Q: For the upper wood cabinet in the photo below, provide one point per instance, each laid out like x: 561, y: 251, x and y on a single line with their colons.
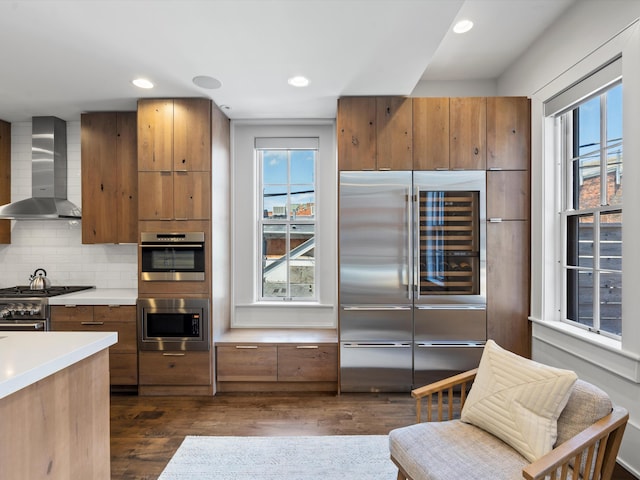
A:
x: 468, y: 133
x: 174, y: 134
x: 508, y: 195
x: 375, y: 133
x: 5, y: 177
x: 431, y: 133
x: 174, y: 159
x: 508, y: 133
x: 109, y: 177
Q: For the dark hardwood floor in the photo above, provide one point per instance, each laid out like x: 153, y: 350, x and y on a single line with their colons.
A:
x: 146, y: 431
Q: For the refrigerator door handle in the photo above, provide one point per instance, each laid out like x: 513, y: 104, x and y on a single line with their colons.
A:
x: 377, y: 309
x: 449, y: 345
x: 377, y: 345
x: 451, y: 307
x: 410, y: 253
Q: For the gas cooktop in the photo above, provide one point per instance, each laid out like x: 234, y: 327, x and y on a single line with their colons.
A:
x: 25, y: 291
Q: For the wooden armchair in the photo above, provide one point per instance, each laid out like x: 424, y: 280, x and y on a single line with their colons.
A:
x: 444, y: 447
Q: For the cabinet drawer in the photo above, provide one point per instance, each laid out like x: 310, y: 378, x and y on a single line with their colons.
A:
x: 308, y: 363
x: 126, y: 331
x: 72, y: 313
x: 112, y: 313
x: 174, y: 368
x: 123, y: 368
x: 247, y: 363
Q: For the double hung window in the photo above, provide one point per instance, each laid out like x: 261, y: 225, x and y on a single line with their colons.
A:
x: 287, y: 223
x: 590, y: 134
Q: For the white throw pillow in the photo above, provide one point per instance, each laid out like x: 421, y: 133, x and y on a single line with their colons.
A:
x: 518, y: 400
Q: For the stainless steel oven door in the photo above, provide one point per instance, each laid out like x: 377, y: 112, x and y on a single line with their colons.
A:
x: 172, y: 257
x: 23, y: 326
x: 173, y: 324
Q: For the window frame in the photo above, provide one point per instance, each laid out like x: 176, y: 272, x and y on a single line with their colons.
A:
x: 245, y: 308
x: 288, y: 222
x: 565, y: 146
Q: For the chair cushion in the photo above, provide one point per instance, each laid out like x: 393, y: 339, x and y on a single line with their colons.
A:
x: 518, y: 400
x: 453, y: 450
x: 587, y: 404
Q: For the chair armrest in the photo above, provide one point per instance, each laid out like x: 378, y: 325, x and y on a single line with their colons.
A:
x: 439, y: 387
x: 598, y: 444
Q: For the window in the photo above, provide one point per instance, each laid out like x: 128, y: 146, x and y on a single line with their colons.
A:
x: 591, y: 210
x: 284, y: 226
x: 287, y: 225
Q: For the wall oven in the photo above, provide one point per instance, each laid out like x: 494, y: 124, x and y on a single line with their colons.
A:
x: 173, y: 324
x: 172, y: 256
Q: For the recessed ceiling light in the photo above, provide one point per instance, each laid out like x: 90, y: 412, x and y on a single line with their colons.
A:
x: 298, y: 81
x: 206, y: 81
x: 142, y: 83
x: 463, y: 26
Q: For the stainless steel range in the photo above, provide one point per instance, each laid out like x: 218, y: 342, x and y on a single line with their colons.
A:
x: 25, y: 309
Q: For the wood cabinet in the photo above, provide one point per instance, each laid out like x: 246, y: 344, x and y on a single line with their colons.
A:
x: 174, y: 134
x: 109, y: 177
x: 5, y: 177
x: 508, y: 195
x: 123, y: 356
x: 169, y: 372
x: 468, y: 133
x: 247, y: 363
x: 431, y: 133
x: 508, y: 285
x: 174, y: 195
x: 508, y: 133
x: 375, y: 133
x: 174, y: 159
x: 314, y: 365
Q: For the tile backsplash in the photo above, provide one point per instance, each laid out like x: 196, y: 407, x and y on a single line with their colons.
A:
x: 56, y: 245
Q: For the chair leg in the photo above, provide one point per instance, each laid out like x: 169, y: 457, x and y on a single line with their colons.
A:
x: 401, y: 476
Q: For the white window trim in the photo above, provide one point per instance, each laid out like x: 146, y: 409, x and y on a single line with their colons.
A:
x: 246, y: 310
x: 546, y: 271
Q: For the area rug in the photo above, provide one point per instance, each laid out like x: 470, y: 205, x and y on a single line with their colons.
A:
x: 356, y: 457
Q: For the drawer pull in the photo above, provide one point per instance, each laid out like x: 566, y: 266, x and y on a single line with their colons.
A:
x: 92, y: 323
x: 246, y: 347
x: 309, y: 347
x: 173, y: 354
x: 70, y: 306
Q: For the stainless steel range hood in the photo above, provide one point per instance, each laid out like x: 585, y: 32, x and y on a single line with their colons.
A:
x: 49, y: 176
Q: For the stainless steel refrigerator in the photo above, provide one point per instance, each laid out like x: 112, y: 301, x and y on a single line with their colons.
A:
x: 412, y: 277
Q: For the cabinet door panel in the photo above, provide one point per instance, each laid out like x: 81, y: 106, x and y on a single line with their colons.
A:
x: 191, y: 193
x: 431, y: 133
x: 99, y: 178
x: 356, y: 123
x: 468, y: 133
x: 155, y: 135
x: 123, y: 368
x: 508, y: 133
x: 155, y: 190
x: 192, y: 134
x: 307, y: 363
x: 247, y: 363
x: 508, y: 195
x: 508, y: 285
x: 174, y: 368
x: 394, y: 133
x: 127, y: 166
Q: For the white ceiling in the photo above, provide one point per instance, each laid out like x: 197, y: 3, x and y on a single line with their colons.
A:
x: 66, y: 57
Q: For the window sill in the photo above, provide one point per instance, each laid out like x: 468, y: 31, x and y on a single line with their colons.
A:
x: 601, y: 351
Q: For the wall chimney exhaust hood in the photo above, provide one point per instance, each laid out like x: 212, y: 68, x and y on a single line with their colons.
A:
x: 48, y: 176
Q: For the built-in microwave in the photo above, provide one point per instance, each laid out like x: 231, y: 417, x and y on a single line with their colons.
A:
x: 172, y: 257
x: 173, y: 324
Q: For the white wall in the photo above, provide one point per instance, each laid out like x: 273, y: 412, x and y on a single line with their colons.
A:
x: 56, y: 245
x: 580, y: 41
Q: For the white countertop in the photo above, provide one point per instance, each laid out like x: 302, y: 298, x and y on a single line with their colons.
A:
x: 98, y: 296
x: 27, y: 357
